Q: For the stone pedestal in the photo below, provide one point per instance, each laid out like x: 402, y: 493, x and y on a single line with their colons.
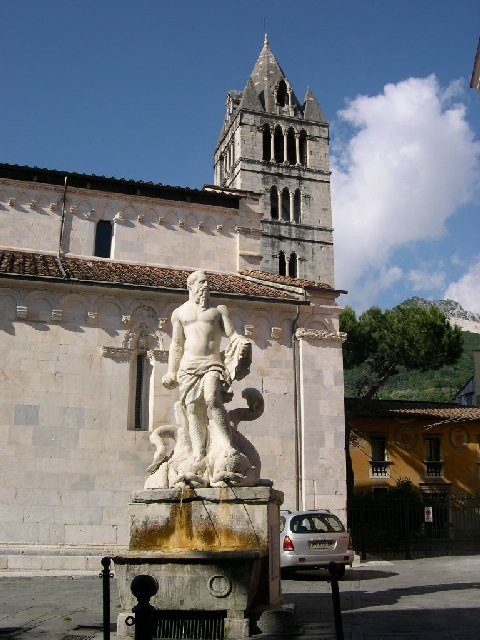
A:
x: 211, y: 549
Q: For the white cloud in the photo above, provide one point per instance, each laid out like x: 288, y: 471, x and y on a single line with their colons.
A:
x: 426, y: 280
x: 410, y: 163
x: 466, y: 290
x: 368, y: 289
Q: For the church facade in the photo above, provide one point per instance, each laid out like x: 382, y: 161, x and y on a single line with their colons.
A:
x: 90, y: 272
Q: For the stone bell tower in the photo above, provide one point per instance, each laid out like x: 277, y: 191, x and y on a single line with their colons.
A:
x: 277, y: 147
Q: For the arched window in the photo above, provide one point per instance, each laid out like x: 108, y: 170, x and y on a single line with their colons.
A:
x: 303, y: 148
x: 282, y: 94
x: 285, y: 204
x: 291, y: 147
x: 267, y: 142
x: 103, y: 239
x: 296, y: 206
x: 282, y: 264
x: 292, y: 265
x: 278, y: 144
x: 274, y: 203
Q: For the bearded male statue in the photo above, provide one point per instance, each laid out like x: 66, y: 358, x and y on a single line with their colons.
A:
x: 207, y: 450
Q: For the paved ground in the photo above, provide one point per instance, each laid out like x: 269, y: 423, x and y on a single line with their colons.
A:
x: 424, y: 599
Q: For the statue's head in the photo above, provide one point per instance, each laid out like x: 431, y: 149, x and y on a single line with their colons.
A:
x: 198, y: 290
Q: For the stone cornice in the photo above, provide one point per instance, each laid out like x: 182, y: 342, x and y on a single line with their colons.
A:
x: 314, y: 335
x: 132, y: 199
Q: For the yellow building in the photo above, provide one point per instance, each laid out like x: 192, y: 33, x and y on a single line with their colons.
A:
x: 435, y: 445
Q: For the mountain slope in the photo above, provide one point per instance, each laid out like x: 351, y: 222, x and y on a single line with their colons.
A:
x: 434, y: 386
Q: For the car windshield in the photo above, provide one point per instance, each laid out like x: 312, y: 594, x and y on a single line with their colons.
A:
x: 316, y: 523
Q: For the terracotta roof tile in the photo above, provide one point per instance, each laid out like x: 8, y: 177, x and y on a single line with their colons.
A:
x: 398, y: 408
x: 39, y: 265
x: 292, y: 282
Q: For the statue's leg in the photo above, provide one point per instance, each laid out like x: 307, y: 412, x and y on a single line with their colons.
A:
x: 213, y: 399
x: 197, y: 428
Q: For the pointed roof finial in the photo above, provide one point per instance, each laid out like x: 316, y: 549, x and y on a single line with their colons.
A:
x: 265, y: 40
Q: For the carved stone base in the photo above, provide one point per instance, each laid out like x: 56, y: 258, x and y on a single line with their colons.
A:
x: 212, y: 549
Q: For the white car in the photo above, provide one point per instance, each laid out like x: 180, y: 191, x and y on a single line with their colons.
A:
x: 312, y: 539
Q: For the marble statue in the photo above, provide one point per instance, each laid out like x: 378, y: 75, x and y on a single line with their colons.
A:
x: 204, y: 447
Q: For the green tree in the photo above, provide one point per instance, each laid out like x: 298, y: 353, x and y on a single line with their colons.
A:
x: 405, y: 337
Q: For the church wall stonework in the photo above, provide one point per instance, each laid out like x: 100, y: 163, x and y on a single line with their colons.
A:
x: 70, y: 458
x: 144, y: 230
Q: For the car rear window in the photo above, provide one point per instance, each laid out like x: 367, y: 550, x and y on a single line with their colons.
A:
x: 282, y: 523
x: 316, y: 523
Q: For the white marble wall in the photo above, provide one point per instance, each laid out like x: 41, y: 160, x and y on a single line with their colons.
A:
x: 69, y: 458
x: 146, y: 230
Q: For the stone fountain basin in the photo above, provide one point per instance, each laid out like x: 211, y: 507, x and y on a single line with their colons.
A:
x: 194, y: 580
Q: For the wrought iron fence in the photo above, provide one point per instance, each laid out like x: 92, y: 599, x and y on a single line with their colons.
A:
x: 398, y: 528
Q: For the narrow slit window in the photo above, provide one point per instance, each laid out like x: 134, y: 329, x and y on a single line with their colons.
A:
x: 292, y: 266
x: 103, y: 239
x: 274, y: 203
x: 303, y: 148
x: 138, y: 409
x: 278, y: 144
x: 296, y: 206
x: 282, y: 264
x: 285, y: 204
x: 291, y: 147
x: 282, y: 94
x: 267, y: 143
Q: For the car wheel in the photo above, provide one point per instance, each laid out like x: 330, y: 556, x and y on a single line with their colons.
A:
x: 286, y: 573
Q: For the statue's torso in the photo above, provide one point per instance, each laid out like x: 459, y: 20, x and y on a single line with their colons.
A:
x: 202, y: 330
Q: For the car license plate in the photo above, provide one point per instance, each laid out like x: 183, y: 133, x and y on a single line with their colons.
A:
x: 321, y: 544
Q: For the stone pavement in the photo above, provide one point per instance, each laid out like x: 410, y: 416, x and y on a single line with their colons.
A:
x: 426, y: 599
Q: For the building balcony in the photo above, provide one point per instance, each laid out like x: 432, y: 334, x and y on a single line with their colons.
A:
x: 380, y: 468
x: 433, y: 468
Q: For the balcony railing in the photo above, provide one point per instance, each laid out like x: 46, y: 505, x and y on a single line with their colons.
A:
x: 379, y: 469
x: 433, y: 469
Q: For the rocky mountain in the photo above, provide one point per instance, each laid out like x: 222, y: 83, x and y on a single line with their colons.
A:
x: 454, y: 311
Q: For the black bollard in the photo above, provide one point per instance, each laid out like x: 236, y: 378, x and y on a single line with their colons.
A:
x: 105, y: 575
x: 337, y: 612
x: 143, y: 588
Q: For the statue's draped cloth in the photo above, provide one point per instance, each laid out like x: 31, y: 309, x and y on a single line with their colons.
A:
x: 191, y: 376
x: 236, y: 360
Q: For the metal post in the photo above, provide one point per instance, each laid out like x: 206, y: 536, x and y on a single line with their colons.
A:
x: 143, y: 588
x: 106, y: 574
x: 337, y: 612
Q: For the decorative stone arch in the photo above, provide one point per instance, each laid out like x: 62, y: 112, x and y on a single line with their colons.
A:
x: 40, y: 305
x: 293, y: 265
x: 170, y: 218
x: 282, y: 94
x: 74, y: 308
x: 209, y: 224
x: 42, y: 203
x: 84, y: 207
x: 109, y: 314
x: 191, y: 222
x: 9, y: 302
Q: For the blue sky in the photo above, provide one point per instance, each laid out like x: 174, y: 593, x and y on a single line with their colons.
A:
x: 137, y: 90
